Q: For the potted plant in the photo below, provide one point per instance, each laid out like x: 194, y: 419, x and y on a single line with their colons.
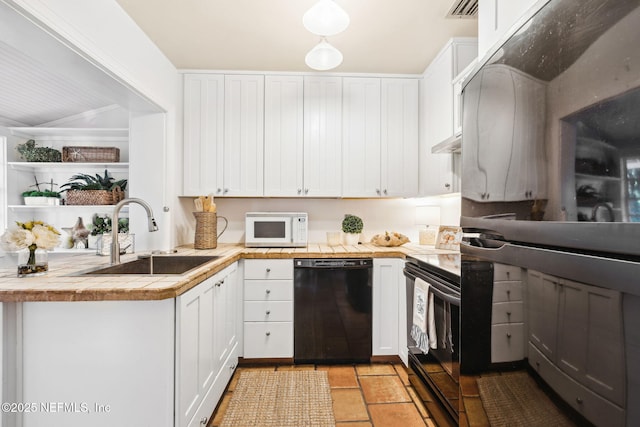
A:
x: 352, y: 227
x: 84, y: 189
x: 101, y: 232
x: 40, y: 197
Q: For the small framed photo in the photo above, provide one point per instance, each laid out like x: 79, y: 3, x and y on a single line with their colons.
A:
x: 449, y: 237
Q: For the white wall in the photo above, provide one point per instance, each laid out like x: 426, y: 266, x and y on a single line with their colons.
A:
x: 378, y: 215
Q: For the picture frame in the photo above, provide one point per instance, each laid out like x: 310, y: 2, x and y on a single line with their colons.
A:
x: 449, y: 237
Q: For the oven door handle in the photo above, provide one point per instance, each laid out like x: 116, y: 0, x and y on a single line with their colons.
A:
x: 450, y: 298
x: 446, y: 297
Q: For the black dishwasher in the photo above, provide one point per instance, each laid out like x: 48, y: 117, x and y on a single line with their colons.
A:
x: 332, y: 310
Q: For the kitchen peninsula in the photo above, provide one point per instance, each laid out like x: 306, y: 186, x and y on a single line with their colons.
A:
x: 118, y: 348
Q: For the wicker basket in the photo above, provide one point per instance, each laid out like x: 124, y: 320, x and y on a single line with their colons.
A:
x: 91, y: 154
x: 206, y: 230
x: 90, y: 197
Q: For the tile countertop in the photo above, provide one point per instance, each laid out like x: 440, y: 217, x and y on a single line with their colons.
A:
x: 61, y: 283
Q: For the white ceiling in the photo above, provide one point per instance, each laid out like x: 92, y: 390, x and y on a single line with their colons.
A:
x: 385, y: 36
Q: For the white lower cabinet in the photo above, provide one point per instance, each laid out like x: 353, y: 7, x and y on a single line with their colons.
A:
x: 268, y: 308
x: 507, y: 315
x: 576, y: 344
x: 388, y: 279
x: 206, y: 346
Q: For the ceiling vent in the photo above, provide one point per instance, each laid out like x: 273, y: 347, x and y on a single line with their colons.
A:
x: 463, y: 9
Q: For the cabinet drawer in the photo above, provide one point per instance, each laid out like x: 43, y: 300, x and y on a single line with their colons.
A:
x: 268, y: 290
x: 268, y: 339
x: 268, y: 311
x: 506, y: 272
x: 507, y: 312
x: 507, y: 342
x: 507, y: 291
x: 593, y: 407
x: 268, y: 269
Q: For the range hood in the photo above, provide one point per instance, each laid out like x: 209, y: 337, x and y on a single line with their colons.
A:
x: 452, y: 144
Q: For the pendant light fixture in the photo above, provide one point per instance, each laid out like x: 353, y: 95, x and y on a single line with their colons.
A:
x: 325, y: 18
x: 323, y: 56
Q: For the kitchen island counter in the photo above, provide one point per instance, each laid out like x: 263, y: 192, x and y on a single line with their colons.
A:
x: 63, y: 283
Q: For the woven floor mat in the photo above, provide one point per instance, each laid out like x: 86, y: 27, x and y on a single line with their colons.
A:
x: 280, y: 399
x: 515, y: 399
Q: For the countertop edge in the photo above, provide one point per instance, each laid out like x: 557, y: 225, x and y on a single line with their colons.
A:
x: 229, y: 254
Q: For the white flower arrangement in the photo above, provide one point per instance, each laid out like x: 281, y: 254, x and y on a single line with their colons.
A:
x: 30, y: 235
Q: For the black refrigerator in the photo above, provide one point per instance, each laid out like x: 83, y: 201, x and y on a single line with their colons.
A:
x: 551, y: 197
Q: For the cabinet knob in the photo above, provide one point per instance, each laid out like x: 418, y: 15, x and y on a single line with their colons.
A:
x: 268, y: 333
x: 508, y: 292
x: 447, y: 185
x: 508, y: 335
x: 508, y: 313
x: 226, y: 190
x: 268, y: 312
x: 218, y: 284
x: 203, y: 421
x: 377, y: 191
x: 233, y: 366
x: 268, y: 291
x: 385, y: 191
x: 306, y: 191
x: 299, y: 190
x: 268, y: 270
x: 579, y: 400
x: 219, y: 190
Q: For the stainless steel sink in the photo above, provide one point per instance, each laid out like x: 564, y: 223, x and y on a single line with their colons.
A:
x: 157, y: 265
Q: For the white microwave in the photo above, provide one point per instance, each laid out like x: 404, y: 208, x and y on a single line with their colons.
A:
x: 276, y: 229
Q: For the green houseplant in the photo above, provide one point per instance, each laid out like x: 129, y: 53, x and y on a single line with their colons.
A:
x: 85, y: 189
x: 40, y: 197
x: 352, y: 226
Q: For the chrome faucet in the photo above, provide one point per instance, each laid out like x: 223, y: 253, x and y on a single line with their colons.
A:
x: 115, y: 245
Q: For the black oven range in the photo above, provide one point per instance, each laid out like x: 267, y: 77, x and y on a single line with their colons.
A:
x: 435, y: 328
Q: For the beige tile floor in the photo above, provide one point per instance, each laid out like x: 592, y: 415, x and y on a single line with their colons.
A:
x: 376, y: 395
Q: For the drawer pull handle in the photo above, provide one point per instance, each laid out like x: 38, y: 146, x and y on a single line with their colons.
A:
x: 268, y: 312
x: 268, y: 333
x: 579, y: 400
x: 268, y: 291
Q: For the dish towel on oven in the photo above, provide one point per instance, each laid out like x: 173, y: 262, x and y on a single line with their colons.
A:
x: 423, y: 330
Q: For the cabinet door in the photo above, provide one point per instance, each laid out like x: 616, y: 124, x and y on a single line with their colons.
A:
x: 322, y: 136
x: 590, y: 342
x: 439, y: 92
x: 526, y: 175
x: 243, y: 136
x: 387, y: 278
x: 203, y: 133
x: 283, y: 136
x: 399, y: 137
x: 195, y: 362
x: 495, y: 18
x: 543, y: 312
x: 361, y: 137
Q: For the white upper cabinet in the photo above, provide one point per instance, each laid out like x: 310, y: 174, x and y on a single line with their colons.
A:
x: 440, y: 113
x: 283, y: 136
x: 399, y: 137
x: 203, y: 133
x: 510, y: 118
x: 495, y: 19
x: 243, y: 155
x: 322, y: 136
x: 361, y: 142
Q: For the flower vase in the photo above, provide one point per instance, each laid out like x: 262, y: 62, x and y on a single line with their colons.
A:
x: 33, y: 262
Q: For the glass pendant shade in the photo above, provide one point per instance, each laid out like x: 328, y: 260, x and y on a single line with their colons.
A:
x: 323, y: 57
x: 325, y: 18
